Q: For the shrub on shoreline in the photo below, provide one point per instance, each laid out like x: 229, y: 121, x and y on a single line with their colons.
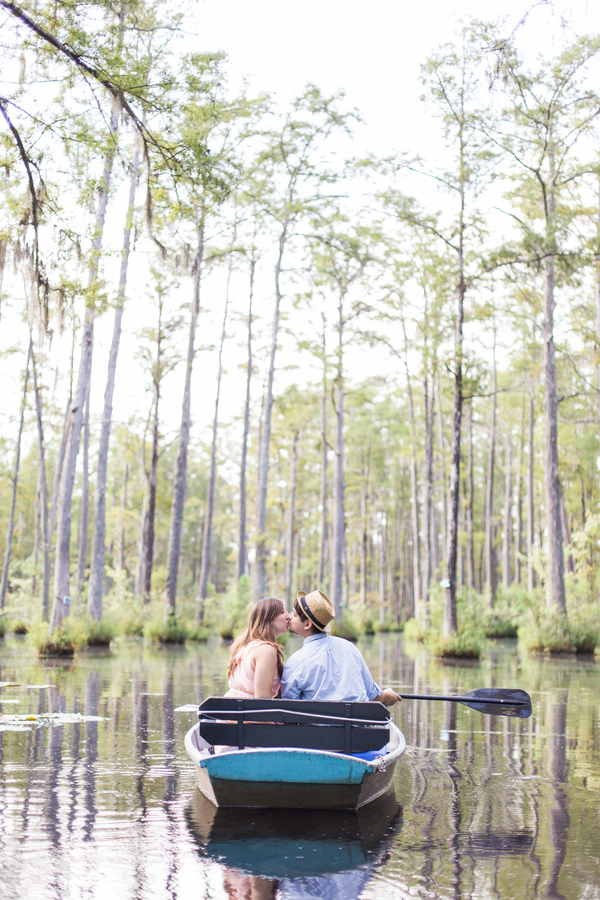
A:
x: 345, y: 628
x: 166, y: 631
x: 552, y: 633
x: 198, y: 633
x: 64, y: 641
x: 100, y: 634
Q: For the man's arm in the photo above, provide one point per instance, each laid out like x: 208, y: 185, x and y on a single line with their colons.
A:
x: 388, y: 697
x: 289, y: 684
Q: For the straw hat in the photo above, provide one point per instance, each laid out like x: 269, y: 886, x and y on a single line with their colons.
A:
x: 318, y: 608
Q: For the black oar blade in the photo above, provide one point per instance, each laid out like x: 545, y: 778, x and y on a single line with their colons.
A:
x: 514, y: 703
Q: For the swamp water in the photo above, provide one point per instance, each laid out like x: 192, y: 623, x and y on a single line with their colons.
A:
x: 484, y: 807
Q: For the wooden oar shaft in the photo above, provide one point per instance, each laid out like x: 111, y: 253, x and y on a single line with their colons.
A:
x: 464, y: 699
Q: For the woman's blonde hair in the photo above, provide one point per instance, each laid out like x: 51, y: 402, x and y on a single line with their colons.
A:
x: 259, y: 628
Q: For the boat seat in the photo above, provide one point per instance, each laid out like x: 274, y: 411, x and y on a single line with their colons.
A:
x: 303, y: 724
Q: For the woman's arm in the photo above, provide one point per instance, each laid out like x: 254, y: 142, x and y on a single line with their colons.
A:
x: 265, y: 663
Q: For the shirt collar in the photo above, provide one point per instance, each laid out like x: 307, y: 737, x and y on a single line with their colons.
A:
x: 314, y: 637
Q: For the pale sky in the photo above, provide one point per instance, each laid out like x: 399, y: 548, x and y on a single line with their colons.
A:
x: 372, y: 52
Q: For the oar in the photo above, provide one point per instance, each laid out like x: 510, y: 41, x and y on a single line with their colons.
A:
x: 492, y: 701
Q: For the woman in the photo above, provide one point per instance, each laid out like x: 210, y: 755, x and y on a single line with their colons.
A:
x: 256, y: 659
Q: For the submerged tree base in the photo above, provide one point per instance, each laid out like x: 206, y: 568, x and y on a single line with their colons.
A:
x: 100, y: 634
x: 63, y: 642
x: 553, y: 634
x: 460, y: 645
x: 170, y: 631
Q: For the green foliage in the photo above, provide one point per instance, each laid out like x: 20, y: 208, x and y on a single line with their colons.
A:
x: 198, y: 633
x: 19, y: 626
x: 549, y: 633
x: 542, y: 630
x: 416, y: 630
x: 229, y: 613
x: 133, y: 624
x: 64, y: 641
x: 100, y: 634
x: 166, y: 631
x: 466, y: 644
x: 346, y: 628
x: 3, y: 624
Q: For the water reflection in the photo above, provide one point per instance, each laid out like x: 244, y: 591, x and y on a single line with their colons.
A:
x: 491, y: 807
x: 301, y: 853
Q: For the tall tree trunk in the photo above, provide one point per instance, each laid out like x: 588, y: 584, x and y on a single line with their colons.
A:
x: 414, y: 489
x: 15, y: 482
x: 291, y: 521
x: 382, y: 579
x: 555, y: 580
x: 337, y: 548
x: 139, y: 569
x: 364, y: 495
x: 469, y: 510
x: 531, y: 574
x: 121, y: 556
x: 43, y: 491
x: 62, y: 601
x: 152, y: 477
x: 85, y: 500
x: 507, y: 539
x: 95, y: 587
x: 180, y: 478
x: 3, y: 248
x: 323, y: 499
x: 243, y: 552
x: 263, y: 469
x: 490, y: 561
x: 206, y: 541
x: 429, y: 407
x: 450, y: 614
x: 565, y: 532
x: 442, y: 451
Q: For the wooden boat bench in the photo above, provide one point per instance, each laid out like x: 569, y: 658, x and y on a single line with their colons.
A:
x: 303, y: 724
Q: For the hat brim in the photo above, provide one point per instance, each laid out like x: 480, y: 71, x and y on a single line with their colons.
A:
x: 327, y: 628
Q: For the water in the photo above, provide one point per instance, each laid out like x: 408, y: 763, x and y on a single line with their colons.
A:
x: 484, y: 807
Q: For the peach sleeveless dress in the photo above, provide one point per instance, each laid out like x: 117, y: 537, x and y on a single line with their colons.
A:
x: 241, y: 683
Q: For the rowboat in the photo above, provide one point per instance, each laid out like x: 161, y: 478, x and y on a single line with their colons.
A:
x: 293, y: 754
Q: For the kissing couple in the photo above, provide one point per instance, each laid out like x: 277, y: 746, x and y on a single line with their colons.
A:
x: 325, y: 667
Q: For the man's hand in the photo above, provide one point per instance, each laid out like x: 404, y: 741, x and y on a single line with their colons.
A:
x: 388, y: 697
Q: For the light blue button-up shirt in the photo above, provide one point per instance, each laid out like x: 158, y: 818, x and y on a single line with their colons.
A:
x: 327, y: 668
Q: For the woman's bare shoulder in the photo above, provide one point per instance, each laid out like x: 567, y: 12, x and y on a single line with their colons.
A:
x: 265, y: 650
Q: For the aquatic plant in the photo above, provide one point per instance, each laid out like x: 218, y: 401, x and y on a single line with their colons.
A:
x: 467, y: 644
x: 133, y: 624
x: 3, y: 625
x: 64, y: 641
x: 101, y: 633
x: 543, y: 631
x: 171, y: 630
x: 345, y: 628
x: 198, y: 633
x: 19, y: 626
x: 416, y: 630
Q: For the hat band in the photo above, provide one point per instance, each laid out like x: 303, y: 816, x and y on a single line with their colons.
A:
x: 306, y: 608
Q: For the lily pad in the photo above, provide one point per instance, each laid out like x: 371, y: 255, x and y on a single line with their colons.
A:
x: 10, y: 684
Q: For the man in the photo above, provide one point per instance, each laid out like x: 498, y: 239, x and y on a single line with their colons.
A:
x: 326, y: 667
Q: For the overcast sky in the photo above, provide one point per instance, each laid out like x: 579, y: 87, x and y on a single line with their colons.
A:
x: 372, y: 51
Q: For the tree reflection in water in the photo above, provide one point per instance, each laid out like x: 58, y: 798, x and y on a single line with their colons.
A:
x: 493, y: 807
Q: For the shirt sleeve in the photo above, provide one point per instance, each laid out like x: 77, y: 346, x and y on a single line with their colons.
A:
x: 289, y: 684
x: 372, y: 688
